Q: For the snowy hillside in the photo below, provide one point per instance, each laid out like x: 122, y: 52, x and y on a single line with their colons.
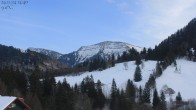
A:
x: 103, y: 49
x: 182, y: 80
x: 119, y: 73
x: 49, y: 53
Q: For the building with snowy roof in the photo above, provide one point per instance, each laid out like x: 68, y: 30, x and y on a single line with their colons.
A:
x: 13, y: 103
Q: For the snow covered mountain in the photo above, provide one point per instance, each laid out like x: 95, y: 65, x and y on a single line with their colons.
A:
x: 50, y: 53
x: 103, y: 49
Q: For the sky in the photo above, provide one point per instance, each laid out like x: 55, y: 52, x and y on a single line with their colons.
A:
x: 66, y: 25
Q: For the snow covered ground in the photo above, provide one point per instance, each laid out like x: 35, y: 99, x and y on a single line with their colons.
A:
x: 119, y: 73
x: 182, y: 81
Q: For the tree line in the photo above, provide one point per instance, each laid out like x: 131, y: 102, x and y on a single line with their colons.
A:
x: 47, y: 94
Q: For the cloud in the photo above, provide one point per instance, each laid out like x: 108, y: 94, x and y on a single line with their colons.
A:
x: 164, y: 17
x: 155, y: 19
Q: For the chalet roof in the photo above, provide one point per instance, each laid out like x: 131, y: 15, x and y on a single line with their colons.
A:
x: 5, y: 101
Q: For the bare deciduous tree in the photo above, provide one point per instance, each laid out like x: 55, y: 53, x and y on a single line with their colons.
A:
x: 125, y: 64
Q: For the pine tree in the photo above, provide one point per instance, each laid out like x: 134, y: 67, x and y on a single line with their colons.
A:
x: 140, y: 95
x: 83, y: 87
x: 143, y: 53
x: 53, y: 83
x: 138, y: 60
x: 137, y: 75
x: 124, y: 56
x: 151, y: 82
x: 117, y: 100
x: 158, y: 72
x: 76, y: 89
x: 49, y: 86
x: 123, y: 101
x: 146, y: 95
x: 163, y: 104
x: 21, y: 82
x: 114, y: 96
x: 3, y: 90
x: 91, y: 91
x: 100, y: 98
x: 113, y: 60
x: 82, y: 102
x: 88, y: 86
x: 91, y: 66
x: 64, y: 96
x: 35, y: 84
x: 113, y: 88
x: 156, y: 99
x: 33, y: 101
x: 130, y: 91
x: 178, y: 98
x: 103, y: 64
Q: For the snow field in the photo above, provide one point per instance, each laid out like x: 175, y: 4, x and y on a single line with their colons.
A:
x: 119, y: 73
x: 182, y: 80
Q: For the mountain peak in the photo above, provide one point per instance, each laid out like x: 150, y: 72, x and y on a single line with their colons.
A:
x: 112, y: 44
x: 103, y: 49
x: 50, y: 53
x: 108, y: 42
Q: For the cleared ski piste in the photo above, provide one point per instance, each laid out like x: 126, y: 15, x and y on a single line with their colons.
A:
x: 183, y: 80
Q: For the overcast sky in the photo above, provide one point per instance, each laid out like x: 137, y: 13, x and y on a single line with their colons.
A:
x: 65, y: 25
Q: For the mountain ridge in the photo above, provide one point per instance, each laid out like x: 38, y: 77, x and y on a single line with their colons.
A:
x: 26, y: 61
x: 103, y: 49
x: 50, y: 53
